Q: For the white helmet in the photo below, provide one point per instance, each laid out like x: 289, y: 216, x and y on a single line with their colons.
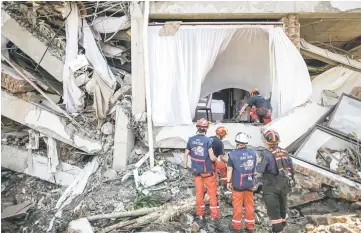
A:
x: 241, y: 138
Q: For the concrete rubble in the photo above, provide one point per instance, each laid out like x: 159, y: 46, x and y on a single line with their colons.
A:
x: 88, y: 170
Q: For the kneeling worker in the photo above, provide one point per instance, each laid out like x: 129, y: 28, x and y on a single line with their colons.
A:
x: 199, y: 147
x: 276, y: 168
x: 240, y: 179
x: 263, y: 106
x: 218, y: 149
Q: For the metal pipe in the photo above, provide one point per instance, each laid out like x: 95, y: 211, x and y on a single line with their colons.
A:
x: 147, y: 84
x: 220, y: 23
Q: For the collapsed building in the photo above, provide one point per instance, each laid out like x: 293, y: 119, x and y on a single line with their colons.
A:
x: 99, y: 98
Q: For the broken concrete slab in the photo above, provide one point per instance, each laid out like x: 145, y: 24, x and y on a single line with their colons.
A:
x: 81, y: 225
x: 16, y: 211
x: 32, y: 46
x: 45, y: 122
x: 18, y: 160
x: 152, y: 177
x: 299, y: 119
x: 177, y: 136
x: 301, y: 199
x: 123, y: 140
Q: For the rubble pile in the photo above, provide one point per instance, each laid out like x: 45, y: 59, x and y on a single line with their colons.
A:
x: 345, y: 162
x: 334, y: 224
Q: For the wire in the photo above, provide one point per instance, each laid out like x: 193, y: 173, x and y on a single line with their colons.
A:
x: 104, y: 19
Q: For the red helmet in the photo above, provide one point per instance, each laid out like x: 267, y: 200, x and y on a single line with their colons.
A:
x: 221, y: 131
x: 202, y: 123
x: 271, y: 136
x: 253, y: 91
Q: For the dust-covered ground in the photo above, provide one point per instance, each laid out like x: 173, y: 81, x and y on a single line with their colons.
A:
x: 103, y: 195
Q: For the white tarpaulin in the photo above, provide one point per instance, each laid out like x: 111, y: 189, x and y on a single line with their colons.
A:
x: 200, y: 60
x: 330, y: 85
x: 73, y: 96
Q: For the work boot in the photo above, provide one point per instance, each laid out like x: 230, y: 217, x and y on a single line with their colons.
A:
x: 200, y: 220
x: 214, y: 223
x: 233, y: 230
x: 247, y: 231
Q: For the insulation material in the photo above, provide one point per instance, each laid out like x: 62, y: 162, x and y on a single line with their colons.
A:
x: 111, y: 24
x: 72, y: 95
x: 94, y: 55
x: 200, y: 60
x: 330, y: 85
x: 347, y: 116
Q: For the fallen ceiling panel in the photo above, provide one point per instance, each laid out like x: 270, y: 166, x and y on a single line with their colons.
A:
x: 324, y: 55
x: 347, y: 116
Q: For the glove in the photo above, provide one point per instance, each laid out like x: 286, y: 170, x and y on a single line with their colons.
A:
x: 292, y: 182
x: 229, y: 186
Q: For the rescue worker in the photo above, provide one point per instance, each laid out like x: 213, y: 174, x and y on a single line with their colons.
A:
x: 240, y: 179
x: 218, y: 150
x: 263, y: 105
x: 199, y: 147
x: 275, y: 166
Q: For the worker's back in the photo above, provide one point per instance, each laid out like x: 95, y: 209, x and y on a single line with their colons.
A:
x: 259, y: 101
x: 244, y: 162
x: 198, y: 146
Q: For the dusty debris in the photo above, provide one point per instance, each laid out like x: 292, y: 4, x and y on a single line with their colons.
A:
x: 80, y: 226
x: 152, y: 177
x: 16, y: 211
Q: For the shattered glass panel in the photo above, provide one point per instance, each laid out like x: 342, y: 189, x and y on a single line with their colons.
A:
x: 332, y: 153
x: 347, y: 116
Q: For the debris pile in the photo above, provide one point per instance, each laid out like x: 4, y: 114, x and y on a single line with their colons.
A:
x: 334, y: 224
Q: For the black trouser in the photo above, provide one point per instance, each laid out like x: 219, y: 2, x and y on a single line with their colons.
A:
x: 275, y: 197
x: 261, y: 113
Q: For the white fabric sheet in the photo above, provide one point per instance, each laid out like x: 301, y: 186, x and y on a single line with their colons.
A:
x: 200, y: 60
x: 73, y: 96
x: 291, y: 85
x: 330, y: 85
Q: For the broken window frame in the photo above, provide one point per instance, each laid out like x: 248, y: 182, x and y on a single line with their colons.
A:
x: 335, y: 111
x: 332, y: 132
